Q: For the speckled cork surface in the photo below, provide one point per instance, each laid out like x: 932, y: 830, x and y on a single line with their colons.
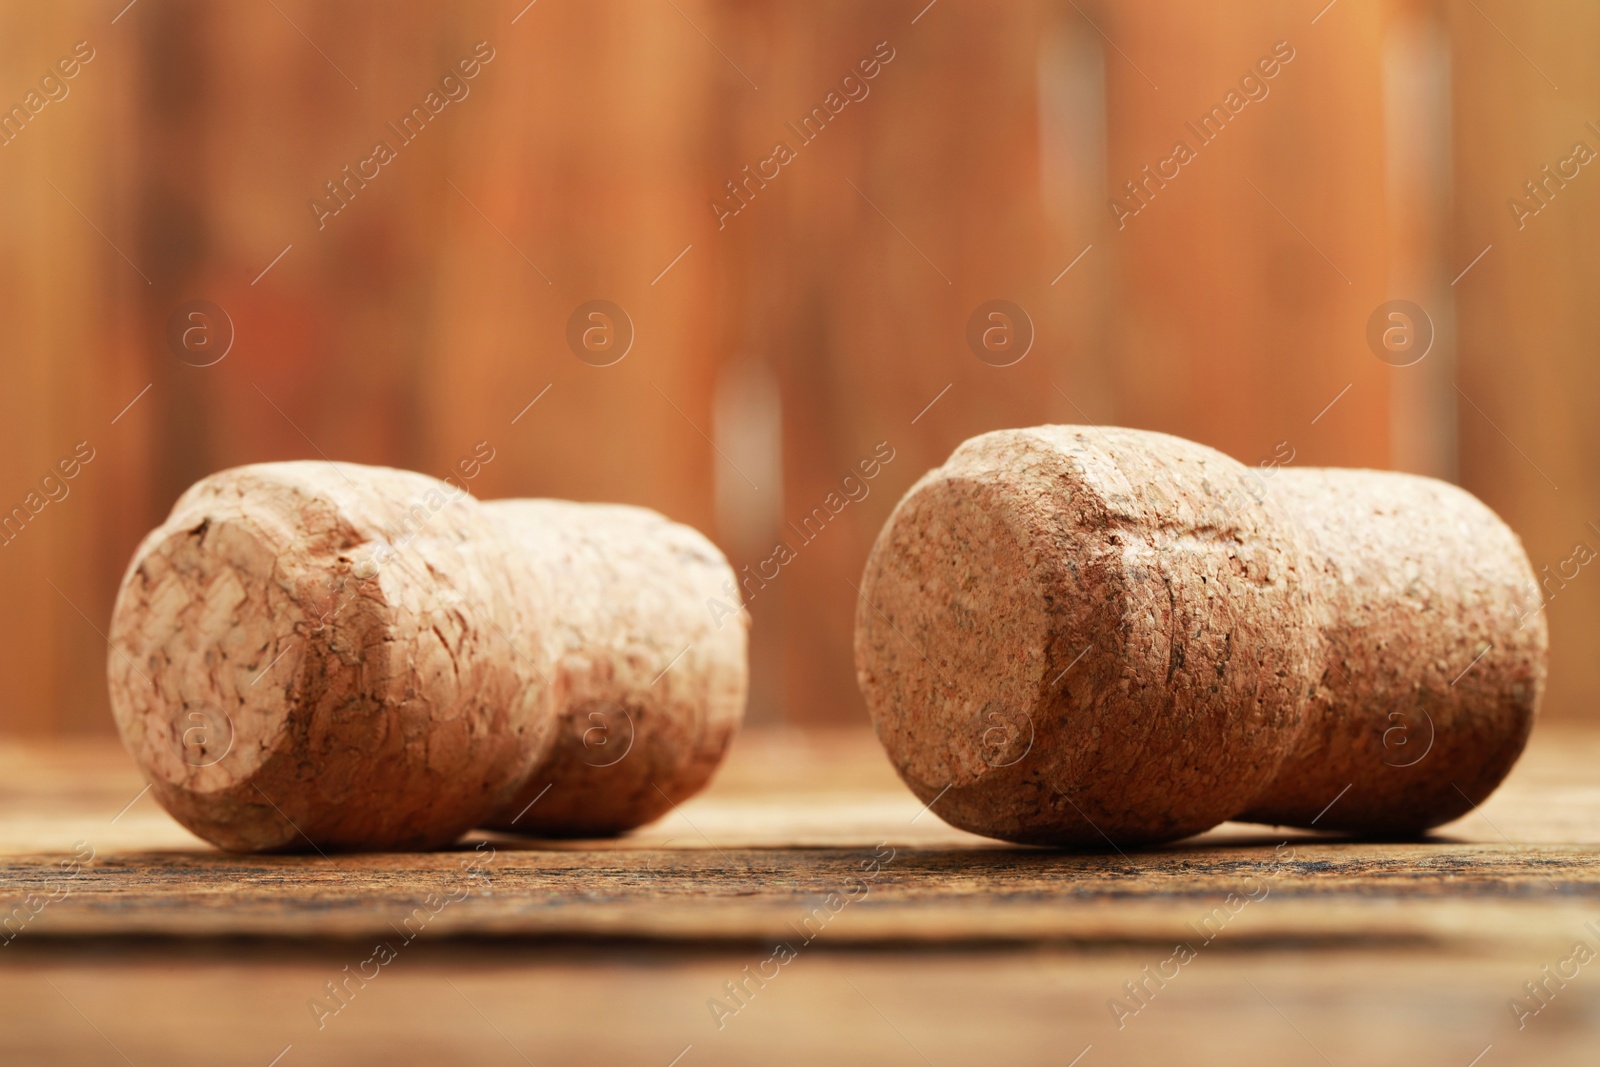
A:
x: 649, y: 681
x: 1435, y: 654
x: 1082, y: 636
x: 306, y: 655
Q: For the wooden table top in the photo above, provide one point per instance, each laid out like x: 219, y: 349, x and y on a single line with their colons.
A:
x: 805, y: 908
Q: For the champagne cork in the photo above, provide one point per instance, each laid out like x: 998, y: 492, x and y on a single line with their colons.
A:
x: 1081, y: 636
x: 310, y: 656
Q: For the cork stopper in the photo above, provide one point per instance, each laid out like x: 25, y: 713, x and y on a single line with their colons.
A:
x: 356, y: 657
x: 1075, y: 635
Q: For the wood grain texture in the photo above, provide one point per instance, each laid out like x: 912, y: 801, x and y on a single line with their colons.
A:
x: 418, y: 322
x: 64, y: 371
x: 1529, y: 381
x: 765, y: 845
x: 960, y: 950
x: 1244, y: 282
x: 500, y: 1005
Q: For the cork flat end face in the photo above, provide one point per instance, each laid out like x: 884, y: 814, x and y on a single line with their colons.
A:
x: 202, y: 673
x: 204, y: 656
x: 963, y: 626
x: 950, y: 649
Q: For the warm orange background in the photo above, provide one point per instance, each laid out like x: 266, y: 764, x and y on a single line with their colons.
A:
x: 781, y: 348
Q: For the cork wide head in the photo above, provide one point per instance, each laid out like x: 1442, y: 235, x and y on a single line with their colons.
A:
x: 1075, y: 635
x: 310, y: 656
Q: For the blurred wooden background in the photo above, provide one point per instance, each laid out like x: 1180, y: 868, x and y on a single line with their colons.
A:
x: 775, y: 351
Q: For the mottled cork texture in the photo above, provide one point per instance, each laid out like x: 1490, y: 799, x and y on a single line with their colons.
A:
x: 306, y: 655
x: 1097, y: 637
x: 649, y: 684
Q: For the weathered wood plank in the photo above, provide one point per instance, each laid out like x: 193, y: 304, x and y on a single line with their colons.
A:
x: 958, y: 951
x: 499, y: 1005
x: 1444, y: 893
x: 758, y: 855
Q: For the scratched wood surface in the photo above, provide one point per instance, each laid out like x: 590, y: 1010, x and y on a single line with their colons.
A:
x: 853, y: 918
